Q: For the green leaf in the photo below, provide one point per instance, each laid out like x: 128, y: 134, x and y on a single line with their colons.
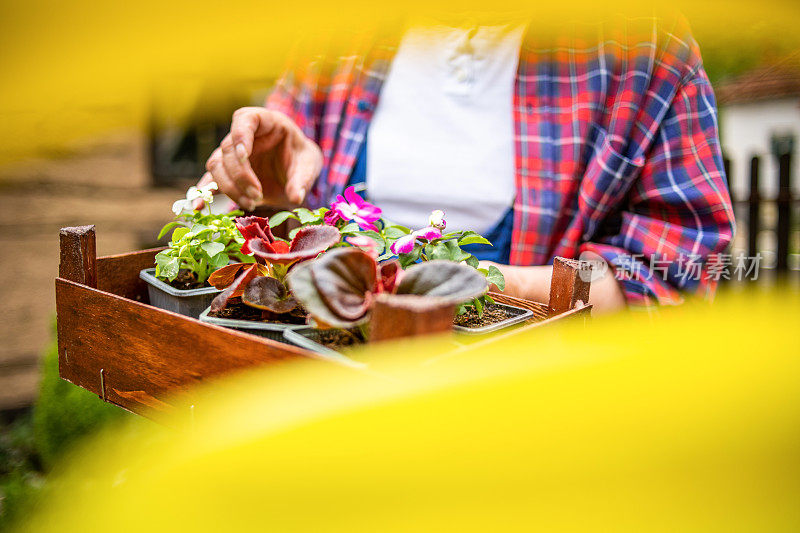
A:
x: 410, y: 258
x: 279, y: 218
x: 472, y: 261
x: 168, y: 227
x: 439, y: 250
x: 449, y: 251
x: 294, y: 232
x: 478, y: 306
x: 352, y: 227
x: 306, y: 216
x: 496, y: 277
x: 395, y: 232
x: 488, y: 299
x: 170, y: 269
x: 212, y: 248
x: 473, y: 239
x: 178, y: 234
x: 218, y: 261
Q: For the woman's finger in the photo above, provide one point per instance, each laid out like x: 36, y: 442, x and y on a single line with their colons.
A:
x: 238, y: 169
x: 227, y: 185
x: 303, y: 170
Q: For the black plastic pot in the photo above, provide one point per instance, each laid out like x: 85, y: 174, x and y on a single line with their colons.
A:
x: 270, y: 330
x: 189, y: 302
x: 517, y: 315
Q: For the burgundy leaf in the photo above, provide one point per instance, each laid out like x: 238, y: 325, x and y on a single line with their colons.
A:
x: 253, y: 228
x: 346, y: 279
x: 235, y: 289
x: 445, y: 280
x: 308, y: 243
x: 223, y: 277
x: 270, y: 294
x: 336, y: 288
x: 390, y: 273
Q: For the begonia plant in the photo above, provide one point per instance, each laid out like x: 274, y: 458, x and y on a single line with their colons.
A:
x: 339, y: 288
x: 262, y: 285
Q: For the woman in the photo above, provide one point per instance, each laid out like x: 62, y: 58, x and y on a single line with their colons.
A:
x: 599, y: 143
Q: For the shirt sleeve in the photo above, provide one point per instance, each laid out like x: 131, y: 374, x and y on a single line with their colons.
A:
x: 678, y: 218
x: 300, y: 93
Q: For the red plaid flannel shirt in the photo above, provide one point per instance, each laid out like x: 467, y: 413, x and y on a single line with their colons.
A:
x: 617, y: 150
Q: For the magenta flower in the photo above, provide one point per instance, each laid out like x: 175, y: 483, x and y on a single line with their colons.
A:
x: 405, y: 244
x: 352, y: 207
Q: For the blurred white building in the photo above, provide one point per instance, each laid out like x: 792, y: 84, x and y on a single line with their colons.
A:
x: 760, y: 116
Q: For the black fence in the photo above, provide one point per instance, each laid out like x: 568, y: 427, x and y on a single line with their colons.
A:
x: 750, y: 212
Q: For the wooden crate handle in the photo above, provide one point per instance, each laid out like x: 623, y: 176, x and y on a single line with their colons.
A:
x: 79, y: 255
x: 570, y: 284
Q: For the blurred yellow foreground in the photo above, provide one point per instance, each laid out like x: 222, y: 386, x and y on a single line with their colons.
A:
x: 688, y: 421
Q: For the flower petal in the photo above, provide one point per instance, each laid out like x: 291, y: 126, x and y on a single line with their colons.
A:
x: 403, y: 245
x: 428, y: 233
x: 179, y: 207
x: 353, y: 198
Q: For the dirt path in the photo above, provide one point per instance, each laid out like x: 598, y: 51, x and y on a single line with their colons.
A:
x: 106, y: 185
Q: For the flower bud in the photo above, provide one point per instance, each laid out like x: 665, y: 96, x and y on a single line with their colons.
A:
x: 437, y: 220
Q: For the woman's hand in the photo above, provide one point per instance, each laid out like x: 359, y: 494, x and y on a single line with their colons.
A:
x: 533, y: 283
x: 265, y: 156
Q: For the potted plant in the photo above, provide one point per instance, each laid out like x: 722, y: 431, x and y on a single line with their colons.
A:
x: 258, y: 300
x: 201, y: 242
x: 480, y: 315
x: 255, y: 297
x: 339, y: 289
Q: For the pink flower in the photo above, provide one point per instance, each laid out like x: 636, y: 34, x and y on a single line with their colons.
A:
x: 352, y: 207
x: 405, y: 244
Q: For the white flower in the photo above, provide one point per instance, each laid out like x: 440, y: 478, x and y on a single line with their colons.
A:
x: 437, y: 220
x: 204, y: 193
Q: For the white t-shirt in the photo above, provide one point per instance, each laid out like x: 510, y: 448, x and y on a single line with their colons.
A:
x: 442, y: 136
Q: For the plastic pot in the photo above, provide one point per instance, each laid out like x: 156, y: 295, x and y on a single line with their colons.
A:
x: 516, y: 315
x: 189, y: 302
x: 270, y: 330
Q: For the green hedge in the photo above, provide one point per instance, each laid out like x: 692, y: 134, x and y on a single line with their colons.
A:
x: 64, y: 413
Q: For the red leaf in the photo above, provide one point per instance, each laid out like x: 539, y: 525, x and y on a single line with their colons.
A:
x: 268, y: 293
x: 223, y: 277
x: 235, y: 289
x: 390, y: 272
x: 308, y: 243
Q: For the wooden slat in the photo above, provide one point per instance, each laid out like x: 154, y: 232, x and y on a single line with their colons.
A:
x: 540, y: 310
x: 569, y: 285
x: 78, y: 255
x: 397, y: 316
x: 119, y: 274
x: 147, y: 354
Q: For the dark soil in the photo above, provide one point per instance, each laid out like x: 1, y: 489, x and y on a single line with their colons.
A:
x: 492, y: 314
x: 240, y: 311
x: 186, y: 281
x: 336, y: 339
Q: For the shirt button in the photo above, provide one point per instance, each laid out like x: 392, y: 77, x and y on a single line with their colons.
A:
x: 363, y: 106
x: 461, y: 75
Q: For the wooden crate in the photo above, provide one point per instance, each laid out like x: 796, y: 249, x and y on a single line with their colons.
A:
x: 114, y: 344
